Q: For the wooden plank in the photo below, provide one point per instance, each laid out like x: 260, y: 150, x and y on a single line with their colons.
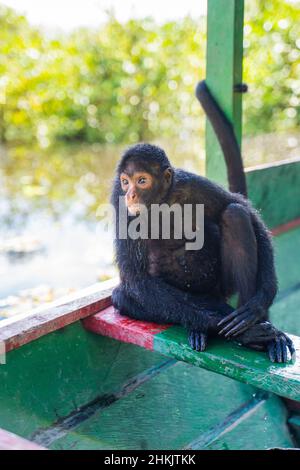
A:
x: 10, y: 441
x: 275, y: 191
x: 292, y: 224
x: 166, y: 412
x: 63, y: 371
x: 237, y: 362
x: 287, y: 257
x: 222, y: 357
x: 268, y: 424
x: 17, y: 331
x: 224, y: 71
x: 284, y: 313
x: 110, y: 323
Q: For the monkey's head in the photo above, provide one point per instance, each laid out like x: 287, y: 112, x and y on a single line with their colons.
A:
x: 145, y: 176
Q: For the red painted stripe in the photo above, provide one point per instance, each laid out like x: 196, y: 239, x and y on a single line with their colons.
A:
x: 10, y: 441
x: 286, y: 227
x: 110, y: 323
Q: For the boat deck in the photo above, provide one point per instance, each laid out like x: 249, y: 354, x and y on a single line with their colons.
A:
x: 74, y: 389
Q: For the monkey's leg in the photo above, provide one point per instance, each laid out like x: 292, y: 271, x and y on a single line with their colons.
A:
x: 126, y: 305
x: 239, y: 269
x: 199, y: 314
x: 238, y: 252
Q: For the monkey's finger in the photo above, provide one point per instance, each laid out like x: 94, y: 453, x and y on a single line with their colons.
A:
x: 248, y: 323
x: 290, y: 345
x: 278, y: 350
x: 238, y: 329
x: 198, y: 342
x: 227, y: 318
x: 283, y: 349
x: 191, y: 339
x: 232, y: 323
x: 243, y: 325
x: 271, y: 351
x: 203, y: 341
x: 264, y: 339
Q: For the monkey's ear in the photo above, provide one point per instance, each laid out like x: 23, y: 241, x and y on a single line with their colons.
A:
x: 168, y: 173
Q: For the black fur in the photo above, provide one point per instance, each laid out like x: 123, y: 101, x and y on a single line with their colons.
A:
x: 163, y: 282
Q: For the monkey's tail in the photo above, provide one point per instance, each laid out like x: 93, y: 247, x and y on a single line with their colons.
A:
x: 226, y: 136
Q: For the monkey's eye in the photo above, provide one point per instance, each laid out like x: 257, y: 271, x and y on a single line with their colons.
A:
x: 124, y: 182
x: 142, y: 180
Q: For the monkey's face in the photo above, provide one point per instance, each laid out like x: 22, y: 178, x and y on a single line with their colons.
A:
x: 142, y: 188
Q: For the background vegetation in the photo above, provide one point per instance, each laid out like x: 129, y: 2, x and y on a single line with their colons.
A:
x: 70, y: 102
x: 135, y: 81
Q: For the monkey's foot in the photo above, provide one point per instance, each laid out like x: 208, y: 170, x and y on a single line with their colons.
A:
x: 197, y: 340
x: 279, y: 347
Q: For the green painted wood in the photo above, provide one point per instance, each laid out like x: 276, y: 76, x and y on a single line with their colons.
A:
x: 52, y: 376
x: 235, y: 361
x: 287, y: 258
x: 165, y: 413
x: 268, y: 424
x: 275, y: 191
x: 294, y: 423
x: 285, y: 313
x: 223, y: 71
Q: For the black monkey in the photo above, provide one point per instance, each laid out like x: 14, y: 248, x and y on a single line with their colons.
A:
x: 163, y: 282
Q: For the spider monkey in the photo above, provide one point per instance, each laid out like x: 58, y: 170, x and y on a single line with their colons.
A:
x: 163, y: 282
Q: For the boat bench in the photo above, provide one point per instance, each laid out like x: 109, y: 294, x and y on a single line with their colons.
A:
x: 92, y: 381
x: 93, y: 307
x: 223, y: 357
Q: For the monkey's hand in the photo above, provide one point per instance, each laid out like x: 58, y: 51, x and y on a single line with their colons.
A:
x: 242, y: 319
x: 264, y: 336
x: 197, y: 340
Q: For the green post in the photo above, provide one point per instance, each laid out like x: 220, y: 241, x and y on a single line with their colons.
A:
x: 223, y: 72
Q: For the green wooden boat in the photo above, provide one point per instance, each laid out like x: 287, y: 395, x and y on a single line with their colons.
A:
x: 76, y: 375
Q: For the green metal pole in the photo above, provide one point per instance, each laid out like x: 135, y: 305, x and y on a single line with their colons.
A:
x: 224, y: 71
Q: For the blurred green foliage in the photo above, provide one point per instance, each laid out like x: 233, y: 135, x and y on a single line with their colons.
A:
x: 135, y: 81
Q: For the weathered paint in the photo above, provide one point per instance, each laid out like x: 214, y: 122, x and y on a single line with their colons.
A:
x: 236, y: 362
x: 110, y: 323
x: 46, y: 436
x: 10, y: 441
x: 170, y: 411
x: 73, y: 374
x: 15, y: 332
x: 227, y: 359
x: 223, y: 72
x: 61, y: 372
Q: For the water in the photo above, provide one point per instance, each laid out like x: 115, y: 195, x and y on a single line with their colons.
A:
x: 50, y: 238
